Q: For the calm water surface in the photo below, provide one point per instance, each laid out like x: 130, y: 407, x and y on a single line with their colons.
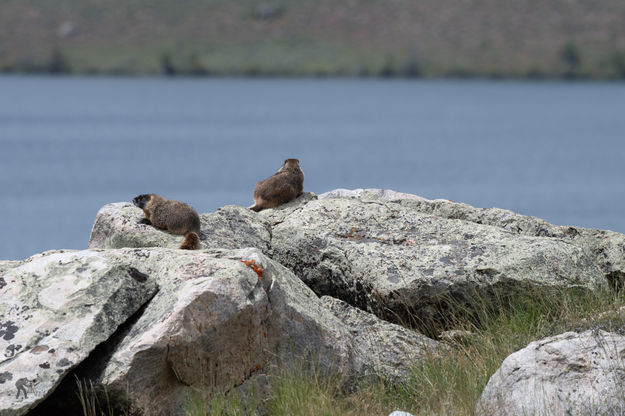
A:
x: 70, y: 145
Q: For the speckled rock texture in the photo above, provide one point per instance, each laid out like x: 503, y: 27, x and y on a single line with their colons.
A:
x: 55, y: 308
x: 568, y: 374
x: 396, y: 254
x: 223, y: 318
x: 387, y: 255
x: 231, y: 317
x: 179, y: 322
x: 379, y: 348
x: 117, y: 225
x: 206, y: 328
x: 605, y: 248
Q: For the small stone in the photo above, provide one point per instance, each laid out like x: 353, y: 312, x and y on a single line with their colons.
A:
x: 456, y: 336
x: 400, y: 413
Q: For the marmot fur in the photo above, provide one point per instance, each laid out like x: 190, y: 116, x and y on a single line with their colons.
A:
x: 285, y: 185
x: 174, y: 216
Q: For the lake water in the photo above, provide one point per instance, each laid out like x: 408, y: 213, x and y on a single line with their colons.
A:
x: 554, y: 150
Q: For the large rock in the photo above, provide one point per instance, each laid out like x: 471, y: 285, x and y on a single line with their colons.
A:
x: 117, y: 225
x: 206, y: 328
x: 397, y: 255
x: 568, y: 374
x: 385, y: 256
x: 605, y: 248
x: 55, y: 308
x: 223, y: 318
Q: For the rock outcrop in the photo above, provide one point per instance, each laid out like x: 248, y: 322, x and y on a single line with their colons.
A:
x: 397, y: 255
x: 56, y: 308
x: 222, y: 318
x: 568, y: 374
x: 307, y: 281
x: 233, y: 315
x: 394, y: 260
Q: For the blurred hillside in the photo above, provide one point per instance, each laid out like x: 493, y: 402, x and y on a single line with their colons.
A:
x: 521, y: 38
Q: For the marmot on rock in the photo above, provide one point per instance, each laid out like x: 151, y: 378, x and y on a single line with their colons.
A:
x: 174, y: 216
x: 286, y: 184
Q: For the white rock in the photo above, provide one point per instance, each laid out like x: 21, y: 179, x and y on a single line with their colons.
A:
x: 222, y: 318
x: 55, y: 308
x: 568, y: 374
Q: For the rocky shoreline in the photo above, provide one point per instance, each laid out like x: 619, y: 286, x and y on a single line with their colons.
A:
x: 337, y: 279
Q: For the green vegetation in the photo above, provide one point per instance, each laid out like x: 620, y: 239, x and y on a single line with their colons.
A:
x: 90, y: 402
x: 616, y: 63
x: 218, y: 404
x: 429, y: 38
x: 572, y: 60
x: 447, y: 384
x: 58, y: 63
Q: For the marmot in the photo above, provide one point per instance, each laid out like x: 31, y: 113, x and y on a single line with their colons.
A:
x: 285, y: 185
x: 174, y: 216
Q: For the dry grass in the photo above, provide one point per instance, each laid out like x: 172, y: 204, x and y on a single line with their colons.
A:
x: 452, y: 384
x: 441, y: 385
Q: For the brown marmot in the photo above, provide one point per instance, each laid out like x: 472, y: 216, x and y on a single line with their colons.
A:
x: 285, y: 185
x: 174, y: 216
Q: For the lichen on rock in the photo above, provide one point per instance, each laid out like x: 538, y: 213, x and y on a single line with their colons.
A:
x: 55, y: 308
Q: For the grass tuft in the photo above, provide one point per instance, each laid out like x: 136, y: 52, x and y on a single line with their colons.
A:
x: 447, y: 384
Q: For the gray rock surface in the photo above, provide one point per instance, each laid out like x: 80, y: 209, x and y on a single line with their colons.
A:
x: 607, y: 248
x: 117, y: 225
x: 568, y: 374
x: 206, y: 328
x: 385, y: 256
x: 222, y: 318
x: 248, y: 300
x: 396, y: 254
x: 55, y: 308
x: 379, y: 348
x: 387, y: 194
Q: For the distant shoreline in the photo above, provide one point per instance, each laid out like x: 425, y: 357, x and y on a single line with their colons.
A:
x: 304, y: 75
x: 429, y: 39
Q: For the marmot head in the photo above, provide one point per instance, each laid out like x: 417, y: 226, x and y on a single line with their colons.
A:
x: 141, y: 200
x: 291, y: 163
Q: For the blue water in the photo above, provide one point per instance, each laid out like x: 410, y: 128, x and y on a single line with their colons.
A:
x: 68, y: 146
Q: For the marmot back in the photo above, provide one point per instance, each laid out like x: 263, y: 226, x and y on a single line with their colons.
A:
x: 285, y: 185
x: 171, y: 215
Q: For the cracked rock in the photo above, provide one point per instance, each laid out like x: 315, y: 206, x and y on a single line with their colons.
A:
x: 223, y: 318
x: 394, y: 254
x: 55, y: 308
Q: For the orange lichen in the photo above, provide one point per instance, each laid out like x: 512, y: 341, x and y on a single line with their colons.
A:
x: 252, y: 265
